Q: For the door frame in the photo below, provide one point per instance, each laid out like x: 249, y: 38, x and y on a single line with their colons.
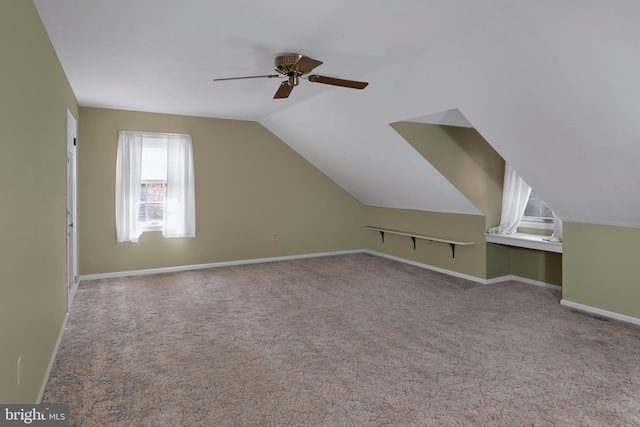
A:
x: 72, y: 208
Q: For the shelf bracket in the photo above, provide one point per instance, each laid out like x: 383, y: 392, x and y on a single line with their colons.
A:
x: 453, y: 250
x: 414, y: 242
x: 382, y: 234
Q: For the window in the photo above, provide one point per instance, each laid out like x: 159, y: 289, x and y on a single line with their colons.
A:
x: 537, y: 214
x: 521, y: 207
x: 154, y: 185
x: 537, y: 208
x: 151, y: 213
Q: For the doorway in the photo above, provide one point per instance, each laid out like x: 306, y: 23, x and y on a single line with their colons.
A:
x: 72, y: 229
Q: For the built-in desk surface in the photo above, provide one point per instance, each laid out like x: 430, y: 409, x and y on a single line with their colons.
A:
x: 523, y: 240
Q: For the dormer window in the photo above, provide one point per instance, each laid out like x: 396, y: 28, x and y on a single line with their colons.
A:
x: 537, y: 214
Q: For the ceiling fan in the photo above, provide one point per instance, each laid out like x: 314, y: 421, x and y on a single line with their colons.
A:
x: 293, y: 66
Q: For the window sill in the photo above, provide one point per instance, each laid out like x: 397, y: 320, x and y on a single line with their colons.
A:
x: 144, y: 228
x: 523, y: 240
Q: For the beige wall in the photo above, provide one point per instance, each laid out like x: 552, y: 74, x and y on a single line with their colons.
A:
x: 537, y: 265
x: 468, y: 161
x: 498, y: 260
x: 469, y: 260
x: 601, y: 267
x: 541, y: 266
x: 249, y: 185
x: 33, y: 108
x: 465, y: 158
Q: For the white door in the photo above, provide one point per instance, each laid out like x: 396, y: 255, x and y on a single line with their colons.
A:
x: 72, y: 234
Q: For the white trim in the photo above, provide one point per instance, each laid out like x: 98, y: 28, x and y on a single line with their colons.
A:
x: 428, y: 267
x: 525, y: 240
x: 316, y: 255
x: 211, y: 265
x: 45, y: 380
x: 76, y: 283
x: 466, y: 276
x: 155, y: 134
x: 524, y: 280
x: 536, y: 222
x: 72, y: 207
x: 600, y: 312
x: 156, y: 227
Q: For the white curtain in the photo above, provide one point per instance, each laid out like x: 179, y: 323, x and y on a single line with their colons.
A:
x: 180, y: 201
x: 515, y: 195
x: 128, y: 167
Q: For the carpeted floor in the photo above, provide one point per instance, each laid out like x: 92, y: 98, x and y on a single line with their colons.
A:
x: 352, y: 340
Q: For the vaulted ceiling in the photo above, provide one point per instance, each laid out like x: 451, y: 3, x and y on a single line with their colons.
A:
x: 552, y: 85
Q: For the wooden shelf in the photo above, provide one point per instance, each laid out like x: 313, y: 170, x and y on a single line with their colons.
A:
x: 415, y: 236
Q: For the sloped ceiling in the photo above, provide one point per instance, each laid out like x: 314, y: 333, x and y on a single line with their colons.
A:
x: 552, y: 85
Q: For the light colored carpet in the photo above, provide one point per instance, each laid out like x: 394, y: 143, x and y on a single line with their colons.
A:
x: 352, y: 340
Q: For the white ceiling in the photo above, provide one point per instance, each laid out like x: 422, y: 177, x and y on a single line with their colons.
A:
x: 451, y: 117
x: 553, y: 85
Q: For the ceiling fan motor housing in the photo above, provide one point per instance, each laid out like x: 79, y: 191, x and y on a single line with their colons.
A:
x: 284, y: 63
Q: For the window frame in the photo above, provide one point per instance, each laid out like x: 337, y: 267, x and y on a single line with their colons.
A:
x: 153, y: 225
x: 536, y: 222
x: 179, y: 211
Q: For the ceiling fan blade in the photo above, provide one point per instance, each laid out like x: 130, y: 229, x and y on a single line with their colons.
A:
x: 270, y: 76
x: 305, y: 64
x: 337, y: 82
x: 283, y: 91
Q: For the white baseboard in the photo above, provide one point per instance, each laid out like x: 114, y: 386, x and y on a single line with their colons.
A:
x: 522, y: 279
x: 466, y: 276
x: 211, y: 265
x: 316, y: 255
x: 600, y: 312
x: 52, y: 360
x: 427, y: 266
